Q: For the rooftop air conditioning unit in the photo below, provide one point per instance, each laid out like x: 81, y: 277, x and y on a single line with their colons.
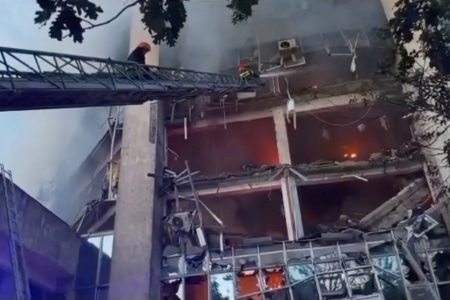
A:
x: 288, y: 44
x: 180, y: 221
x: 290, y: 53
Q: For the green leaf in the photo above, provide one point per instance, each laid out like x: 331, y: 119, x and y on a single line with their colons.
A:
x: 42, y: 16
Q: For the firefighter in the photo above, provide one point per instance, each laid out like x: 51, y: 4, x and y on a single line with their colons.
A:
x: 246, y: 72
x: 138, y: 54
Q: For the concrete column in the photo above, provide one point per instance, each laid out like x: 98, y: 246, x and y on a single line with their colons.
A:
x: 291, y: 202
x: 282, y: 137
x: 135, y: 267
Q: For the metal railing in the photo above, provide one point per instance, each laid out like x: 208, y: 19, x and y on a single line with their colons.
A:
x: 25, y: 73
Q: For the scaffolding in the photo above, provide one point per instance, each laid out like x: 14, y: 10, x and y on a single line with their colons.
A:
x: 36, y: 80
x: 14, y: 218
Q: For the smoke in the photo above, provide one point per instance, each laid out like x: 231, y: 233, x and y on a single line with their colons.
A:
x: 43, y: 148
x: 210, y: 42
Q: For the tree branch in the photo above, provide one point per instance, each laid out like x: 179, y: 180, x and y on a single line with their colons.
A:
x: 88, y: 22
x: 92, y: 25
x: 113, y: 18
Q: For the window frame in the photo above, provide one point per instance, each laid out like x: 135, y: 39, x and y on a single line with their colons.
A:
x: 97, y: 285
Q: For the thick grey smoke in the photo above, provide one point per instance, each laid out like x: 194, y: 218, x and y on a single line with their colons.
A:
x: 210, y: 42
x: 43, y: 148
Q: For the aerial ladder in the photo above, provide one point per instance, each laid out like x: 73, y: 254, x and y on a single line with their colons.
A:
x: 37, y: 80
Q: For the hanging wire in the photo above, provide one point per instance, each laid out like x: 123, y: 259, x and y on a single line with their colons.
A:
x: 342, y: 124
x: 323, y: 120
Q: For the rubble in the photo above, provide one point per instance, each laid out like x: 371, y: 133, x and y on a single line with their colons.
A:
x: 397, y: 208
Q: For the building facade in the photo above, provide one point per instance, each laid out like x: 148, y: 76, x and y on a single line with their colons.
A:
x: 313, y: 187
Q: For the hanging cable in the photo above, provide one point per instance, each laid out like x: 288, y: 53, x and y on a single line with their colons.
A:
x: 342, y: 124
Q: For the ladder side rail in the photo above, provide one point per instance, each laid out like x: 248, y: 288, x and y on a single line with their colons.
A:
x: 16, y: 251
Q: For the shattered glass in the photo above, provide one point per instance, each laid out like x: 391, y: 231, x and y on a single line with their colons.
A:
x: 354, y: 255
x: 441, y: 265
x: 275, y: 284
x: 222, y: 286
x: 383, y: 248
x: 298, y: 273
x: 361, y: 281
x: 389, y: 276
x: 301, y: 277
x: 327, y: 267
x: 332, y: 285
x: 249, y: 284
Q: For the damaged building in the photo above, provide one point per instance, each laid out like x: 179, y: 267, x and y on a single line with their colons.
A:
x: 312, y: 187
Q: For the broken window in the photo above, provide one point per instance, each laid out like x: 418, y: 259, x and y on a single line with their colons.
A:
x: 275, y: 283
x: 361, y: 282
x: 389, y: 275
x: 222, y: 286
x: 249, y: 285
x: 301, y: 277
x: 332, y: 285
x: 325, y: 270
x: 216, y: 150
x: 241, y: 220
x: 350, y: 134
x: 441, y: 265
x: 196, y: 288
x: 326, y: 207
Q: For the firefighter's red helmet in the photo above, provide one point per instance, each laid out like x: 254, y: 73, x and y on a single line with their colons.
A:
x: 144, y: 45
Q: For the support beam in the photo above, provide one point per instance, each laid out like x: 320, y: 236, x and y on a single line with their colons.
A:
x: 291, y: 202
x: 232, y: 189
x: 136, y: 257
x: 302, y: 106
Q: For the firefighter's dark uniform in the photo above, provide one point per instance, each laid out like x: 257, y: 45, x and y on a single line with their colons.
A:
x: 137, y: 56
